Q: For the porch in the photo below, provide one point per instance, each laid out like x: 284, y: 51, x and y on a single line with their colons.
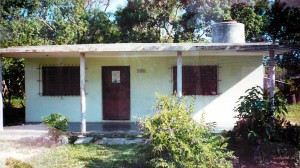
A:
x: 110, y: 127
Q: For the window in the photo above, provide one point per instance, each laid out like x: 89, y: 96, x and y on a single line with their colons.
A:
x: 197, y: 80
x: 61, y: 81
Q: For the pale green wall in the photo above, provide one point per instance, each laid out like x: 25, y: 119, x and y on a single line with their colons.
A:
x: 236, y: 74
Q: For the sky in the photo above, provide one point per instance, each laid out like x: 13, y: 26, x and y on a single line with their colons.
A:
x: 115, y: 4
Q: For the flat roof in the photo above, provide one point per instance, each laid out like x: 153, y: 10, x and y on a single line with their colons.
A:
x: 144, y: 50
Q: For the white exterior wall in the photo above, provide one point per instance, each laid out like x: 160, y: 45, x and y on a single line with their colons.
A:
x: 236, y: 74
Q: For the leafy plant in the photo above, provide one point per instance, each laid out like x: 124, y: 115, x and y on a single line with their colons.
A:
x: 57, y: 121
x: 176, y: 140
x: 260, y: 116
x: 58, y: 125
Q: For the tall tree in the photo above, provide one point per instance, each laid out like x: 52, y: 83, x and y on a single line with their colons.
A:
x: 35, y: 22
x: 169, y: 21
x: 135, y: 23
x: 253, y: 17
x: 278, y: 23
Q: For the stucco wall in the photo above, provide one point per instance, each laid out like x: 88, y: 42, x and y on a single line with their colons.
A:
x: 236, y: 74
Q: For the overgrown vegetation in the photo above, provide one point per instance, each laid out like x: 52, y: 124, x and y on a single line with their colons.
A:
x: 262, y: 133
x: 176, y: 140
x: 259, y: 116
x: 293, y: 113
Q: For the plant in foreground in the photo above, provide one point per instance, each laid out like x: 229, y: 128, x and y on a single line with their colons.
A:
x: 177, y: 140
x: 14, y: 163
x: 58, y: 125
x: 259, y: 116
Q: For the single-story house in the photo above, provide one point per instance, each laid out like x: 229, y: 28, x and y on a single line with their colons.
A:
x: 104, y: 82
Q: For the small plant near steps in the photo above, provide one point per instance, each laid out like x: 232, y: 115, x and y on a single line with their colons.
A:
x: 58, y: 125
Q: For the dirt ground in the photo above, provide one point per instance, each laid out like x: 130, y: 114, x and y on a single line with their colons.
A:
x: 270, y: 155
x: 23, y: 142
x: 26, y: 141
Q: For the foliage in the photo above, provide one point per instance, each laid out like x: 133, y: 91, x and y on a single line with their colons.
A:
x: 283, y: 23
x: 13, y: 80
x: 92, y: 155
x: 25, y: 23
x: 254, y: 23
x: 135, y: 23
x: 14, y: 163
x: 176, y: 140
x: 293, y: 113
x: 58, y: 125
x: 57, y: 121
x: 198, y: 17
x: 259, y: 116
x: 277, y: 22
x: 291, y: 62
x: 170, y: 21
x: 268, y: 21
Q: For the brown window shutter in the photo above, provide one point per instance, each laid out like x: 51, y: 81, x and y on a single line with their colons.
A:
x: 197, y: 80
x: 209, y: 80
x: 61, y: 81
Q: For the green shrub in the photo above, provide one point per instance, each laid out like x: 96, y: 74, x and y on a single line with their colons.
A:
x: 176, y: 140
x: 57, y: 121
x: 257, y: 117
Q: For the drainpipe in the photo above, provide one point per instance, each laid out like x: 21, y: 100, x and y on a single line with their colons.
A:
x: 1, y: 98
x: 272, y: 75
x: 82, y: 93
x: 179, y: 73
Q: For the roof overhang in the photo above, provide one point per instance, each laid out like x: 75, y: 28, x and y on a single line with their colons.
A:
x: 144, y: 50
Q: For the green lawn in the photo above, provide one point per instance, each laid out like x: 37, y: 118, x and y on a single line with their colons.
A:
x: 91, y: 155
x: 294, y: 113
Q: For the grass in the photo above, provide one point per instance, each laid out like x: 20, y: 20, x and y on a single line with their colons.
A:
x: 91, y: 155
x: 294, y: 113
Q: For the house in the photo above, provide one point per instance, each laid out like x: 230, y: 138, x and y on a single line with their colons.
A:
x: 105, y: 82
x: 100, y: 82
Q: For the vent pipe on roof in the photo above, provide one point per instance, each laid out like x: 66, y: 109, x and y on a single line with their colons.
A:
x: 228, y: 32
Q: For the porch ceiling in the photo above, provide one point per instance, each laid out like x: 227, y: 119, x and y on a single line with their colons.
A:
x: 143, y: 50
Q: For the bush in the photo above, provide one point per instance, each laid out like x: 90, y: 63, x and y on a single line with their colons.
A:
x: 176, y: 140
x: 258, y: 117
x: 58, y: 126
x: 57, y: 121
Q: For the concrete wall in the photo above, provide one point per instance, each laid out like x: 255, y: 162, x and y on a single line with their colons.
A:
x: 236, y: 74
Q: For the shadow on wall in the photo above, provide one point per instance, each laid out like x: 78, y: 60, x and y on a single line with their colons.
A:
x: 232, y: 85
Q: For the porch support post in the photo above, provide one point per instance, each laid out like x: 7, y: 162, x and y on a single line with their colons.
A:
x: 82, y: 93
x: 179, y: 73
x: 272, y: 78
x: 1, y: 98
x: 272, y: 73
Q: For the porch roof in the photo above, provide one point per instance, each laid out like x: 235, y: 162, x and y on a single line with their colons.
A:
x: 143, y: 50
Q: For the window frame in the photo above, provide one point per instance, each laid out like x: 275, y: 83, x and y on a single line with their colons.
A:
x: 197, y: 80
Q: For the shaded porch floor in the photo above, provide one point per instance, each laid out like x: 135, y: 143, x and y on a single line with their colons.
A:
x: 119, y: 127
x: 106, y: 127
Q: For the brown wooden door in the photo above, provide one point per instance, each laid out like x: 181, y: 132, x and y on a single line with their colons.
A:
x: 116, y: 92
